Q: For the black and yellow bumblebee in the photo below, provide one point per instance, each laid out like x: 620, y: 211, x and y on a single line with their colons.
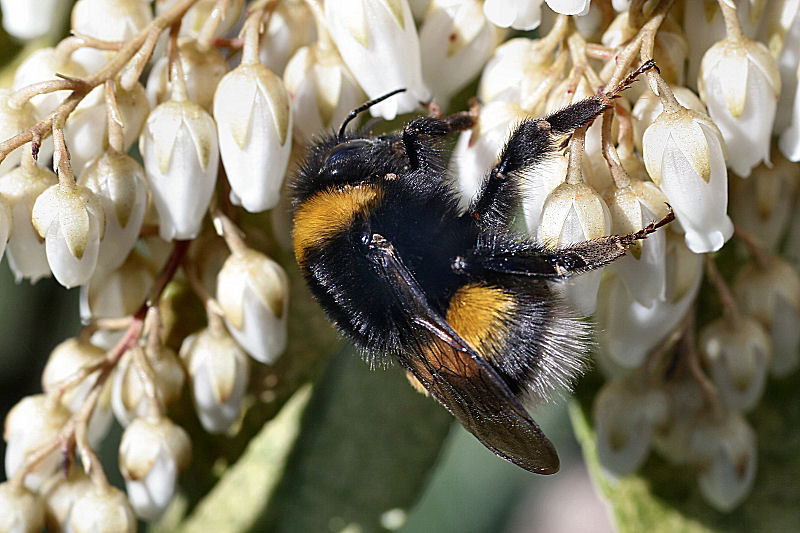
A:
x: 462, y: 302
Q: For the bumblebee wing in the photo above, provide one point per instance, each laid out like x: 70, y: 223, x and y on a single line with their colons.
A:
x: 459, y: 378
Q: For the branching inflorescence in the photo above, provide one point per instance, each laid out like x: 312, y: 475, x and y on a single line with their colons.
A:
x: 218, y: 92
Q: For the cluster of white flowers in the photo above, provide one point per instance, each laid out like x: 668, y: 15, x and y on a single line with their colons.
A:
x: 218, y: 93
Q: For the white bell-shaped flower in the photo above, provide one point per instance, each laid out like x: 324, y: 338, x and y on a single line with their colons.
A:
x: 195, y: 18
x: 789, y: 141
x: 685, y: 156
x: 771, y: 294
x: 202, y: 70
x: 726, y: 451
x: 31, y: 424
x: 181, y: 158
x: 69, y: 357
x: 648, y: 107
x: 253, y: 291
x: 152, y: 453
x: 290, y: 28
x: 740, y: 83
x: 103, y: 509
x: 378, y: 41
x: 784, y: 35
x: 117, y: 293
x: 322, y: 89
x: 762, y: 205
x: 517, y: 14
x: 60, y: 493
x: 569, y: 7
x: 86, y: 131
x: 477, y: 149
x: 574, y: 212
x: 458, y: 40
x: 26, y: 20
x: 515, y: 71
x: 254, y: 124
x: 627, y: 329
x: 20, y: 187
x: 119, y: 182
x: 218, y: 369
x: 14, y: 120
x: 21, y: 510
x: 625, y: 415
x: 70, y: 218
x: 43, y: 65
x: 643, y: 268
x: 737, y: 356
x: 128, y: 397
x: 107, y: 20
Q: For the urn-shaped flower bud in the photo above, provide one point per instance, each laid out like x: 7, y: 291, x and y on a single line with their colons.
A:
x: 196, y: 17
x: 102, y: 510
x: 648, y: 107
x: 518, y: 14
x: 628, y: 330
x: 151, y: 454
x: 762, y: 205
x: 625, y: 415
x: 643, y: 268
x: 26, y: 21
x: 740, y: 83
x: 42, y: 65
x: 119, y: 182
x: 378, y: 41
x: 202, y: 70
x: 20, y: 187
x: 574, y: 213
x: 738, y: 358
x: 290, y: 27
x: 458, y: 40
x: 685, y: 156
x: 322, y: 89
x: 21, y: 511
x: 70, y: 218
x: 60, y: 493
x: 254, y: 123
x: 771, y: 294
x: 514, y: 71
x: 65, y: 360
x: 726, y: 450
x: 114, y: 20
x: 31, y: 424
x: 181, y: 157
x: 128, y: 397
x: 253, y: 291
x: 218, y: 369
x: 13, y: 120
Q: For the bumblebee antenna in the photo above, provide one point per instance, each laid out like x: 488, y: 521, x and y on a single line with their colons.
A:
x: 363, y: 107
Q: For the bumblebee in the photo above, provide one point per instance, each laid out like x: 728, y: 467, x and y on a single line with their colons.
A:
x: 458, y: 299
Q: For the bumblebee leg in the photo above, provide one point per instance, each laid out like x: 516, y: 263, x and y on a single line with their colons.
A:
x: 432, y: 127
x: 529, y: 144
x: 531, y: 260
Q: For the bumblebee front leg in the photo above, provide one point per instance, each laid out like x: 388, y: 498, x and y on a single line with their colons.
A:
x: 530, y: 143
x: 432, y: 126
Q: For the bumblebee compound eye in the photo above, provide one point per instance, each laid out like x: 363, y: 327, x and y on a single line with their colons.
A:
x: 344, y: 154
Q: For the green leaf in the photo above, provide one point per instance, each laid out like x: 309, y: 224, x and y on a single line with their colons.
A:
x: 367, y: 444
x: 665, y: 498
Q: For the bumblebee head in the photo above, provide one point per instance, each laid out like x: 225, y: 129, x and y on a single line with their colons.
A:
x: 342, y: 160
